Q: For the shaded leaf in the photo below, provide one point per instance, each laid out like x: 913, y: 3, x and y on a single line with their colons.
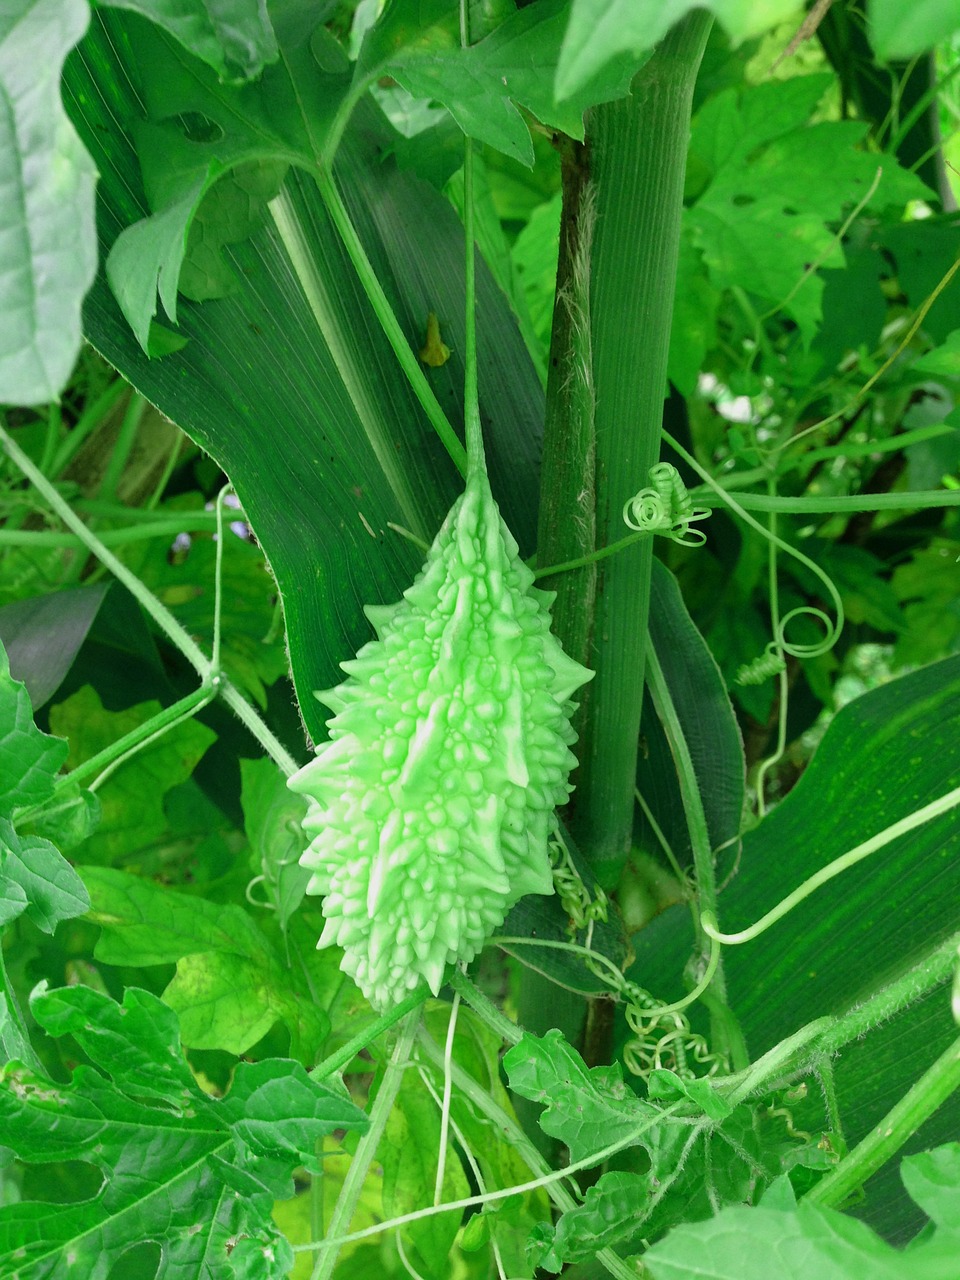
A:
x: 48, y: 250
x: 42, y: 636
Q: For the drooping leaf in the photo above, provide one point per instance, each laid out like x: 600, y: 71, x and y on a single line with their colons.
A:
x: 233, y: 36
x: 206, y: 1171
x: 48, y: 250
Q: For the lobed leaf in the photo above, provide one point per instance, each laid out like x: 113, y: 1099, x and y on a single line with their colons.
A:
x: 797, y: 1242
x: 206, y: 1171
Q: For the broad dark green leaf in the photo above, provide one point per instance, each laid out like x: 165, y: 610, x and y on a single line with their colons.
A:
x: 48, y: 249
x: 884, y: 755
x: 29, y: 760
x: 699, y: 695
x: 300, y: 399
x: 42, y: 636
x: 600, y: 32
x: 206, y: 1172
x: 753, y: 1244
x: 902, y: 31
x: 234, y: 36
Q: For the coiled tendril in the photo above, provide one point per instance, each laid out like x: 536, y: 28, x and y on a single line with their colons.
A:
x: 769, y: 664
x: 666, y: 508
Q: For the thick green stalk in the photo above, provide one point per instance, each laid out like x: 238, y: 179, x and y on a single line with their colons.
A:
x: 636, y: 154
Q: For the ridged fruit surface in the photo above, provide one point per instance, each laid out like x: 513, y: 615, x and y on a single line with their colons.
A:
x: 431, y: 803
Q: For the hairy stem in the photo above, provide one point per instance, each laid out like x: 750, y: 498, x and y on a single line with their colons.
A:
x: 900, y: 1123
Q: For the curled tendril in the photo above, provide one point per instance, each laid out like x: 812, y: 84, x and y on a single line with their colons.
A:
x: 574, y: 896
x: 770, y: 663
x: 664, y: 1038
x: 666, y: 508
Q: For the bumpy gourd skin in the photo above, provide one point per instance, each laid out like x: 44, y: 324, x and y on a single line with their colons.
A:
x: 430, y: 805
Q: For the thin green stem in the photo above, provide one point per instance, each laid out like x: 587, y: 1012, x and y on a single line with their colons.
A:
x: 737, y: 506
x: 851, y: 504
x: 168, y: 469
x: 822, y: 1039
x: 445, y: 1104
x: 616, y: 1266
x: 900, y: 1123
x: 935, y: 809
x: 329, y: 1249
x: 117, y: 752
x: 773, y: 587
x: 197, y: 701
x: 592, y: 557
x: 345, y: 1055
x: 931, y: 972
x: 52, y: 435
x: 498, y: 1023
x: 160, y: 614
x: 693, y: 809
x: 506, y: 1124
x: 385, y: 314
x: 157, y: 528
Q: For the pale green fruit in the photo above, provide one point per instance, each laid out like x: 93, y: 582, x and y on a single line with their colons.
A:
x: 431, y: 804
